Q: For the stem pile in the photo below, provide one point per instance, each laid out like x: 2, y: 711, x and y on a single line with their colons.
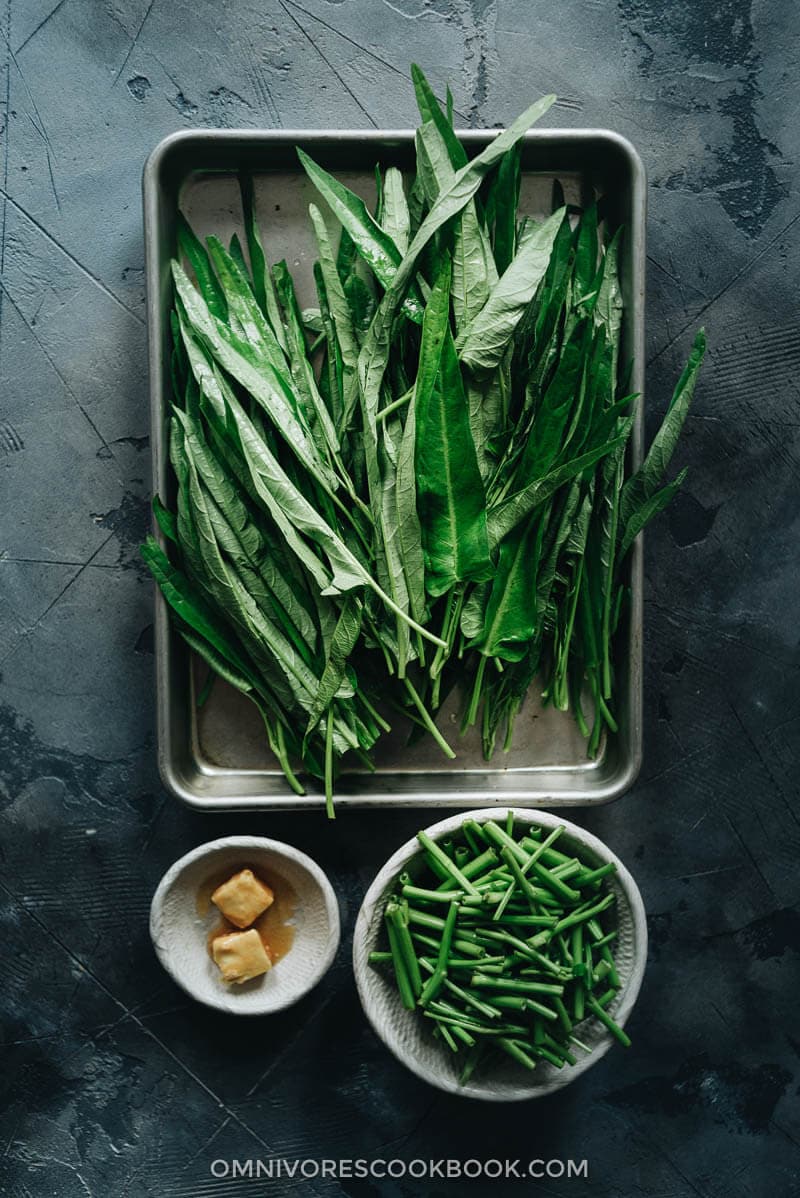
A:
x: 503, y: 942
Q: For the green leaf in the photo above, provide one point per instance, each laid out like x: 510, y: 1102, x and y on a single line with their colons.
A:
x: 473, y: 265
x: 241, y: 301
x: 297, y: 518
x: 344, y: 640
x: 506, y: 515
x: 251, y: 370
x: 331, y: 375
x: 190, y: 606
x: 474, y: 272
x: 408, y: 524
x: 483, y: 343
x: 245, y: 545
x: 396, y: 221
x: 339, y: 306
x: 237, y: 254
x: 649, y: 508
x: 362, y: 304
x: 608, y: 502
x: 311, y: 320
x: 375, y: 350
x: 218, y: 663
x: 373, y: 243
x: 642, y: 485
x: 292, y: 512
x: 608, y: 306
x: 450, y: 494
x: 430, y: 110
x: 288, y: 671
x: 192, y: 248
x: 317, y: 416
x: 466, y: 183
x: 576, y: 542
x: 262, y: 279
x: 596, y: 419
x: 389, y: 563
x: 563, y: 527
x: 488, y: 398
x: 545, y: 440
x: 505, y: 199
x: 552, y: 297
x: 511, y: 615
x: 166, y: 520
x: 434, y: 170
x: 586, y: 250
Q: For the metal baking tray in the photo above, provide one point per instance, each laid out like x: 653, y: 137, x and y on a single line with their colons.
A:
x: 217, y: 758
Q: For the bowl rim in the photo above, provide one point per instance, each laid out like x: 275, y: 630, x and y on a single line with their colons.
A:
x: 282, y: 850
x: 373, y: 901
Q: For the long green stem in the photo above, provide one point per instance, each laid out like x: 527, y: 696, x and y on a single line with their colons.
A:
x: 397, y: 403
x: 472, y: 710
x: 277, y: 742
x: 560, y: 681
x: 394, y: 916
x: 425, y: 716
x: 398, y: 611
x: 329, y: 764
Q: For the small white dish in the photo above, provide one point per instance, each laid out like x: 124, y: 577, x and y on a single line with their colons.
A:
x: 180, y: 928
x: 406, y: 1033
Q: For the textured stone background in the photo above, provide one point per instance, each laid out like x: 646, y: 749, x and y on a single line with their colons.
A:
x: 114, y: 1084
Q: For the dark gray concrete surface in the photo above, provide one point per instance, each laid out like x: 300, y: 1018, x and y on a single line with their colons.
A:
x: 114, y: 1083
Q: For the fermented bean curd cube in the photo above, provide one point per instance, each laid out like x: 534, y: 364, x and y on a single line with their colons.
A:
x: 243, y: 898
x: 240, y: 956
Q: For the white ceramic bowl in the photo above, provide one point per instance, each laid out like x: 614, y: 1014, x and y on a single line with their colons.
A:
x: 408, y: 1035
x: 180, y: 933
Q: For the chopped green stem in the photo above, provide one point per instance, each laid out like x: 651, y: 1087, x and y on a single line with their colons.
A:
x: 472, y: 1062
x: 438, y: 854
x: 601, y: 970
x: 512, y: 986
x: 576, y: 917
x: 590, y: 876
x: 395, y: 917
x: 563, y: 1017
x: 400, y: 972
x: 461, y: 1033
x: 613, y: 975
x: 447, y: 1034
x: 513, y: 1048
x: 475, y: 868
x: 430, y: 896
x: 471, y: 1000
x: 608, y: 1022
x: 558, y: 887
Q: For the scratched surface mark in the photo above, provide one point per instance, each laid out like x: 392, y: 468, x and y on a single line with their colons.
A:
x: 113, y: 1083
